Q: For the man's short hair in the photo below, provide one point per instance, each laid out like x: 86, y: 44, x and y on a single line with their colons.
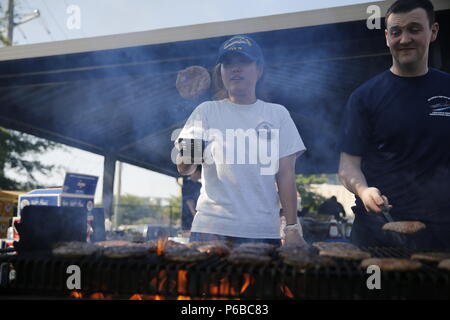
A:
x: 403, y: 6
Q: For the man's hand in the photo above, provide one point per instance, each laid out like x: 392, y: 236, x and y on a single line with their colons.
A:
x: 354, y: 180
x: 191, y: 205
x: 373, y: 200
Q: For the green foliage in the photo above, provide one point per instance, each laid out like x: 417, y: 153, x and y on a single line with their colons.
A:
x: 310, y: 200
x: 14, y: 147
x: 19, y: 12
x: 137, y: 210
x: 132, y: 208
x: 4, y: 40
x: 173, y: 210
x: 3, y: 21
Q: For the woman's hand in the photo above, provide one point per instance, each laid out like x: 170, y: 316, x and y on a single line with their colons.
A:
x: 294, y: 238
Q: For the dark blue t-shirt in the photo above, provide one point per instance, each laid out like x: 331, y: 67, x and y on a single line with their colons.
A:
x: 400, y: 126
x: 190, y: 191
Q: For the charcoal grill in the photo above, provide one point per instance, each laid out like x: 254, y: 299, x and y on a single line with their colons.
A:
x: 153, y: 277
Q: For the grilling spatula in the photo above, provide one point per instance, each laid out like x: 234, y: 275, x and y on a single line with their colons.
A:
x: 399, y: 238
x: 404, y: 227
x: 386, y: 214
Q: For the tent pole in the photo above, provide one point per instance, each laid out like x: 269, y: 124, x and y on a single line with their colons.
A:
x: 109, y: 168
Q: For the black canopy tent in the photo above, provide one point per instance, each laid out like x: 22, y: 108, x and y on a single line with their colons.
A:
x: 120, y: 101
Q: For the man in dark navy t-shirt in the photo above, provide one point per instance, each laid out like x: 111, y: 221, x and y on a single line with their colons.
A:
x: 395, y: 142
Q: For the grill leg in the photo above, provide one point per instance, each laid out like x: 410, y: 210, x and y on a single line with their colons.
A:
x: 4, y: 274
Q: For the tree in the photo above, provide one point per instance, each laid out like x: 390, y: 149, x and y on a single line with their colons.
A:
x: 310, y: 200
x: 15, y: 150
x: 173, y: 210
x: 132, y: 209
x: 138, y: 210
x: 3, y: 26
x: 17, y: 7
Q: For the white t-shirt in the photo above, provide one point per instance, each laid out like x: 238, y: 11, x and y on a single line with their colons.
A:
x: 244, y: 143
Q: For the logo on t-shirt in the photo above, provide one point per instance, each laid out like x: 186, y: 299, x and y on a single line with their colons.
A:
x: 440, y: 106
x: 263, y: 130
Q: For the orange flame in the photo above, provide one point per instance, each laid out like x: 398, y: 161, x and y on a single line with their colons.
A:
x: 213, y: 289
x: 76, y: 295
x: 184, y: 298
x: 97, y: 295
x: 138, y: 296
x: 182, y: 282
x: 225, y: 288
x: 159, y: 281
x: 287, y: 292
x: 222, y: 289
x: 248, y: 279
x: 160, y: 245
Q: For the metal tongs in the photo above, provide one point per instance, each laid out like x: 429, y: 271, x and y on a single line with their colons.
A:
x: 386, y: 214
x: 399, y: 238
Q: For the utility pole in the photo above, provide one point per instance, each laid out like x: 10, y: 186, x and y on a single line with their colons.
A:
x: 119, y: 192
x: 10, y: 24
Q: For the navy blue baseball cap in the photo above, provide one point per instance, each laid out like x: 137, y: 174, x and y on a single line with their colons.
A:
x: 240, y: 44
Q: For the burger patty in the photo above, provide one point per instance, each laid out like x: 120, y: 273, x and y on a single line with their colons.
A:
x: 183, y: 254
x: 113, y: 243
x: 218, y: 249
x: 75, y: 249
x: 256, y: 248
x: 237, y: 257
x: 127, y: 251
x: 193, y: 82
x: 406, y: 227
x: 392, y: 264
x: 258, y: 245
x: 341, y: 250
x: 431, y: 256
x: 307, y: 260
x: 289, y: 250
x: 444, y: 264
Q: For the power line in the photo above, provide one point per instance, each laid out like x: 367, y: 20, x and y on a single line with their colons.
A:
x: 24, y: 36
x: 42, y: 22
x: 53, y: 17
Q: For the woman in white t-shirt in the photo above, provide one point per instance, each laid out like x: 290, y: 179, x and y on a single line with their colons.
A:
x: 249, y: 158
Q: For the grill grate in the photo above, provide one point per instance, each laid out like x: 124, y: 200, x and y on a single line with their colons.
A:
x: 153, y: 277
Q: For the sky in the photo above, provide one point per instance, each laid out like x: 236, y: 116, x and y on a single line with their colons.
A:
x: 106, y: 17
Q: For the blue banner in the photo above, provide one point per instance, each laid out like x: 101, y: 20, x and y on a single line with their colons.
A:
x: 75, y: 183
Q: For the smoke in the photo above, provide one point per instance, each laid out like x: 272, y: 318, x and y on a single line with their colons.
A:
x: 125, y: 100
x: 312, y: 72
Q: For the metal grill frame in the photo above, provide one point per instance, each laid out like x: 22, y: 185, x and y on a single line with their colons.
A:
x: 43, y: 275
